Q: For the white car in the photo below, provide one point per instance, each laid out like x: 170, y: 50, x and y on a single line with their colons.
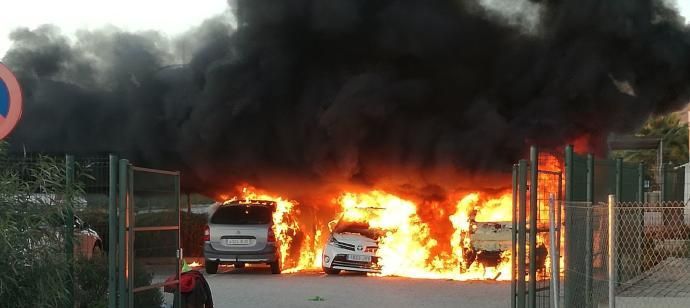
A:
x: 352, y: 246
x: 488, y: 240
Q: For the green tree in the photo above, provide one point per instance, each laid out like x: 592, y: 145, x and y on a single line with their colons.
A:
x: 674, y: 135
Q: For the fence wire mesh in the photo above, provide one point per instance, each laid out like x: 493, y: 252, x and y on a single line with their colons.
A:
x: 156, y: 237
x: 653, y: 252
x: 46, y: 210
x: 651, y: 258
x: 548, y: 191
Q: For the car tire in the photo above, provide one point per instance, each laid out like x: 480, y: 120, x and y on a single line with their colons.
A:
x: 331, y: 271
x: 239, y: 265
x: 275, y: 267
x: 211, y: 267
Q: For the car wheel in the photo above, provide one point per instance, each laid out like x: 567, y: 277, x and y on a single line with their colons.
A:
x: 331, y: 271
x: 275, y: 267
x: 239, y: 265
x: 211, y: 267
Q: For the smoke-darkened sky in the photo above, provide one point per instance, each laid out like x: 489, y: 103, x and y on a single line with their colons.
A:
x: 402, y: 93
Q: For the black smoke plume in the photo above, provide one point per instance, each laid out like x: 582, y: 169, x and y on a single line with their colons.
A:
x: 405, y: 93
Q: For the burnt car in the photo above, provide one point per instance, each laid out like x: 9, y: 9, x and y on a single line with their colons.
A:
x: 489, y: 240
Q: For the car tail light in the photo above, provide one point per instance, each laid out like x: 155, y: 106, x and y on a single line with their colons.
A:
x: 271, y: 235
x: 207, y: 234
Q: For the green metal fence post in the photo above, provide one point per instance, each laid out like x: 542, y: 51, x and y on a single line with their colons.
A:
x: 180, y: 252
x: 131, y: 224
x: 640, y: 183
x: 514, y: 238
x: 522, y: 234
x: 663, y: 185
x: 588, y: 231
x: 112, y: 232
x: 568, y: 279
x: 121, y: 245
x: 533, y: 209
x: 69, y: 230
x: 619, y: 179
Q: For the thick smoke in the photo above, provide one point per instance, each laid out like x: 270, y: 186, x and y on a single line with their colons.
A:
x: 403, y: 93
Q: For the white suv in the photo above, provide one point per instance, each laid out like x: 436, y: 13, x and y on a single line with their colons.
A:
x: 352, y: 246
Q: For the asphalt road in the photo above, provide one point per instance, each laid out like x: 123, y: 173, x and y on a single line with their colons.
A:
x: 256, y: 287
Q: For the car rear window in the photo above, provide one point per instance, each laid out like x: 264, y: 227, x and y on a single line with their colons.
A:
x: 242, y: 215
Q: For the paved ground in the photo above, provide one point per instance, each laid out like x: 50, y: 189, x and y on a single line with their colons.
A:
x: 665, y: 285
x: 670, y: 278
x: 256, y: 287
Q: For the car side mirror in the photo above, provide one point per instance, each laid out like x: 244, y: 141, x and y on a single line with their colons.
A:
x: 331, y: 225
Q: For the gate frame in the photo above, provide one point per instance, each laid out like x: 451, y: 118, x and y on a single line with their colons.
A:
x: 127, y: 235
x: 523, y: 291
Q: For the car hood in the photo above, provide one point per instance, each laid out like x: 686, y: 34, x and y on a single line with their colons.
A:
x: 354, y: 238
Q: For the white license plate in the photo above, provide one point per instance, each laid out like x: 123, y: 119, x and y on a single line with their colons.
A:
x: 236, y: 241
x: 359, y: 258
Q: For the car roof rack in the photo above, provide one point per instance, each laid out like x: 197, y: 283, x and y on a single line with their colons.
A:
x: 250, y: 202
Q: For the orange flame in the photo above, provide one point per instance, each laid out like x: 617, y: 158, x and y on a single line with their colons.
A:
x: 412, y: 244
x: 407, y: 248
x: 286, y: 228
x: 284, y: 225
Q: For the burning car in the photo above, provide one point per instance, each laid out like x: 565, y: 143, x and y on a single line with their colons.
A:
x: 352, y: 246
x: 487, y: 242
x: 490, y: 241
x: 240, y: 232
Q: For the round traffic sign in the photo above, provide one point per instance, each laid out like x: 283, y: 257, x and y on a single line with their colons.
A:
x: 10, y: 101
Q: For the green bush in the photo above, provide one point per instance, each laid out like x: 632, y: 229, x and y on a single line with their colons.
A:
x: 33, y: 260
x: 32, y: 249
x: 92, y: 284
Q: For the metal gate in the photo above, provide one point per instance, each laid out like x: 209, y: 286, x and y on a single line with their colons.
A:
x: 537, y: 189
x: 148, y: 251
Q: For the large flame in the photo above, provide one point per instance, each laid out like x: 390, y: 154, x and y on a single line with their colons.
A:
x: 414, y: 243
x: 408, y: 249
x: 287, y: 228
x: 284, y: 224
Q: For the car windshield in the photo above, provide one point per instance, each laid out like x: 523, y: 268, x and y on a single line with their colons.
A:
x: 242, y: 215
x: 346, y: 225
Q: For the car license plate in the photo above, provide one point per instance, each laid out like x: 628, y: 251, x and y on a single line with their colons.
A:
x: 359, y: 258
x: 237, y: 241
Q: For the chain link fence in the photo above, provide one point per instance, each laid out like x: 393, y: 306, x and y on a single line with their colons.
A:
x: 586, y: 268
x: 651, y: 255
x: 651, y: 234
